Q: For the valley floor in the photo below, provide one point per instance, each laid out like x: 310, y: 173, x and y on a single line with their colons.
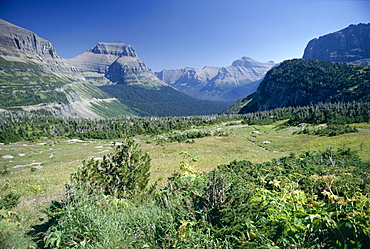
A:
x: 40, y: 170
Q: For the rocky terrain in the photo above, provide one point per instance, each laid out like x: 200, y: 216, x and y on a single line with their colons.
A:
x: 229, y: 83
x: 115, y: 62
x: 350, y: 45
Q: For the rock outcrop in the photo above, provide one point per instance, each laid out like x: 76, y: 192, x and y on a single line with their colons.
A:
x: 116, y: 62
x: 24, y: 44
x: 350, y: 45
x: 14, y: 39
x: 218, y: 83
x: 99, y: 58
x: 117, y: 70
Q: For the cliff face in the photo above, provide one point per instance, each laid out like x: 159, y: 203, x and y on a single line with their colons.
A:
x: 14, y: 39
x: 218, y: 83
x: 116, y: 62
x: 24, y: 44
x: 305, y: 82
x: 350, y: 45
x: 118, y: 71
x: 99, y: 58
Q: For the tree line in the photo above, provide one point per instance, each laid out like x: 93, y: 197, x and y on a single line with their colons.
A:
x: 17, y: 126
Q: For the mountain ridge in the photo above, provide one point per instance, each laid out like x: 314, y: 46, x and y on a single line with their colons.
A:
x: 218, y: 83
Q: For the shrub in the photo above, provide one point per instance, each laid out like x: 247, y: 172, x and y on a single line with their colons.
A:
x: 122, y: 174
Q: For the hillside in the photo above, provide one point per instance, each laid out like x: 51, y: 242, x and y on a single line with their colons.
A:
x: 305, y: 82
x: 350, y: 45
x: 218, y: 83
x: 34, y: 78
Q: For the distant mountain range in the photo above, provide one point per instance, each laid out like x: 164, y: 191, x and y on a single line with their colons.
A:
x: 108, y: 80
x: 229, y: 83
x: 116, y: 69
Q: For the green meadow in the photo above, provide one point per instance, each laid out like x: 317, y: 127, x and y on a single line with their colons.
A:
x: 39, y: 170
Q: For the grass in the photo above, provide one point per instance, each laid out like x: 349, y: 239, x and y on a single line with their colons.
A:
x: 39, y: 171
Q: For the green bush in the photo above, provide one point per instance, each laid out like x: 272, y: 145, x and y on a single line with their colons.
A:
x: 122, y: 174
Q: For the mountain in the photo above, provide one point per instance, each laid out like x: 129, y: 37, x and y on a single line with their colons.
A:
x: 350, y: 45
x: 108, y: 80
x: 304, y: 82
x: 34, y: 78
x: 117, y: 70
x: 218, y: 83
x: 114, y: 63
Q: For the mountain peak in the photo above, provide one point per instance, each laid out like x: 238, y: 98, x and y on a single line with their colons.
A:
x: 113, y: 48
x: 248, y: 62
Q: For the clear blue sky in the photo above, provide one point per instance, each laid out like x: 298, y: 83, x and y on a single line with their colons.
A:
x: 170, y: 34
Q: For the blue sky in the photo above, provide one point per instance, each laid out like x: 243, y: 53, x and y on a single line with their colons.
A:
x: 169, y: 34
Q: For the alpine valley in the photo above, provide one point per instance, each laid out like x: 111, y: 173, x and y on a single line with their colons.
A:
x: 97, y: 151
x: 108, y: 80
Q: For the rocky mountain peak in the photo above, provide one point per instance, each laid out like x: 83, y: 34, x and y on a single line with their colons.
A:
x: 243, y: 62
x: 350, y: 45
x: 114, y: 48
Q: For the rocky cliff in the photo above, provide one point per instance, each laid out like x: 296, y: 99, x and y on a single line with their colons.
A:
x: 350, y: 45
x: 99, y: 58
x: 116, y: 62
x: 305, y: 82
x: 24, y: 44
x: 218, y: 83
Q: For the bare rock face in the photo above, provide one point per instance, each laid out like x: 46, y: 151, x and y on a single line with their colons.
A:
x: 116, y: 62
x: 99, y: 58
x: 24, y: 44
x: 218, y: 83
x: 35, y: 78
x: 114, y: 48
x: 350, y: 45
x: 129, y: 70
x: 15, y: 39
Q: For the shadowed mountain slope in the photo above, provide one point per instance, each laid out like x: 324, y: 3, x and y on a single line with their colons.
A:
x: 304, y: 82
